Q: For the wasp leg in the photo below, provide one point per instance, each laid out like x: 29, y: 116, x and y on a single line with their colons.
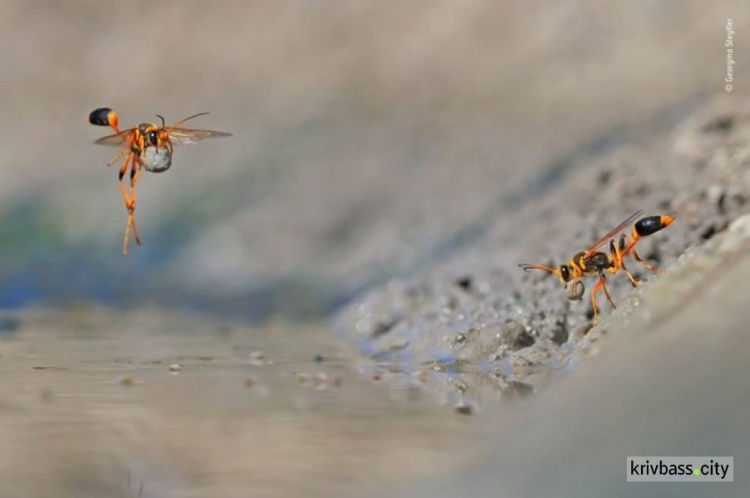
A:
x: 134, y: 165
x: 618, y: 256
x: 131, y: 224
x: 633, y: 281
x: 129, y: 200
x: 615, y: 257
x: 135, y: 173
x: 125, y: 197
x: 600, y: 284
x: 631, y: 249
x: 594, y: 290
x: 119, y: 155
x: 134, y: 177
x: 126, y: 148
x: 606, y: 292
x: 135, y: 234
x: 646, y: 263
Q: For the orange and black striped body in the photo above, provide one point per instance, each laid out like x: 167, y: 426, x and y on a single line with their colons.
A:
x: 647, y: 226
x: 594, y: 262
x: 104, y: 116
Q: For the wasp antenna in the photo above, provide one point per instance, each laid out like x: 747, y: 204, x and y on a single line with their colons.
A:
x: 163, y: 123
x: 528, y: 267
x: 178, y: 123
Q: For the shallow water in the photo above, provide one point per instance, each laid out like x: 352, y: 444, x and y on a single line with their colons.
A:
x: 93, y: 404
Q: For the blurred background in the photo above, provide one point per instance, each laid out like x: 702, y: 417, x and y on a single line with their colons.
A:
x: 370, y: 139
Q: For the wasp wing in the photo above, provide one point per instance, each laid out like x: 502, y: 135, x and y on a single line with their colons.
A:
x: 185, y: 136
x: 619, y: 228
x: 118, y: 139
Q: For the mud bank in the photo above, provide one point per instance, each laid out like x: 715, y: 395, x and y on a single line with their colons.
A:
x: 665, y: 375
x: 479, y: 308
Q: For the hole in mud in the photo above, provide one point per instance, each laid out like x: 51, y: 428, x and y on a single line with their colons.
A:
x: 708, y: 232
x: 721, y: 124
x: 465, y: 283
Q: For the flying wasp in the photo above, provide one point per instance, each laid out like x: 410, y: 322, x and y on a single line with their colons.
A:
x: 146, y: 146
x: 591, y: 261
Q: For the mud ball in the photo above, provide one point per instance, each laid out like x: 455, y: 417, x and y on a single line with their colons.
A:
x: 156, y: 160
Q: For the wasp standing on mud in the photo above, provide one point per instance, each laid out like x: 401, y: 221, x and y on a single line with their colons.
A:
x: 145, y: 146
x: 593, y: 262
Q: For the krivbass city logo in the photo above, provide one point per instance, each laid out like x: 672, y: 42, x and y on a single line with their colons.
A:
x: 680, y: 468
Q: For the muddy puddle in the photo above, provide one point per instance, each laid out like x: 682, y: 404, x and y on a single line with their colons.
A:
x: 151, y: 403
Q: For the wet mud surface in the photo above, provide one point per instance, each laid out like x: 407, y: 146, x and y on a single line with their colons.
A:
x: 99, y: 402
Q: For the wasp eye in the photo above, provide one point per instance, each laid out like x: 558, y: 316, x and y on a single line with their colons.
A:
x: 565, y: 272
x: 152, y: 138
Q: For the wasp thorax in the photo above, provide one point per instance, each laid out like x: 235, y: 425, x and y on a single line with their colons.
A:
x: 156, y: 159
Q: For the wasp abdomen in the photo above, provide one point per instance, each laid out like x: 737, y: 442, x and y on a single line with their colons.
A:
x: 651, y: 224
x: 103, y: 116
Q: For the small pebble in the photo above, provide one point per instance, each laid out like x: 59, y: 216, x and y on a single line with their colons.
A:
x: 464, y: 408
x: 126, y: 381
x: 175, y: 369
x: 258, y: 358
x: 302, y: 378
x: 321, y: 381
